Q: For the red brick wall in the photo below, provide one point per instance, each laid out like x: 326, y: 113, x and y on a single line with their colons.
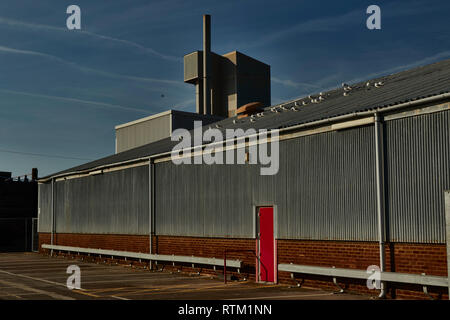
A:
x: 400, y: 257
x: 196, y: 246
x: 201, y: 247
x: 207, y: 247
x: 98, y: 241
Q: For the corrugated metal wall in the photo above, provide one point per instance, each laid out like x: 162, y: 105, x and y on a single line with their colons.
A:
x: 418, y: 172
x: 323, y: 190
x: 45, y: 207
x: 158, y: 128
x: 201, y: 200
x: 330, y: 186
x: 114, y: 203
x: 142, y: 133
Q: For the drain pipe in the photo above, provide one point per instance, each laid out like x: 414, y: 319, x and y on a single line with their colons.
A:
x: 151, y: 204
x: 53, y: 214
x: 379, y: 159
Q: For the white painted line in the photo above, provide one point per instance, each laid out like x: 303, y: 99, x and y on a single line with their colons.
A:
x: 18, y: 294
x: 120, y: 298
x: 32, y: 278
x: 285, y: 296
x: 126, y: 277
x: 143, y: 280
x: 36, y: 279
x: 29, y: 289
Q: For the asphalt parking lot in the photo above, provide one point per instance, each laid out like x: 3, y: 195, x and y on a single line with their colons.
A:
x: 33, y: 276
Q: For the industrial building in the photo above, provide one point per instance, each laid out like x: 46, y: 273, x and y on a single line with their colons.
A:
x: 156, y: 127
x: 361, y: 181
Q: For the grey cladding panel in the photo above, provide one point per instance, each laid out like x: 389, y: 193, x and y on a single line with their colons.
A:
x: 418, y: 172
x: 143, y: 133
x: 200, y: 200
x: 45, y: 207
x: 115, y: 203
x: 324, y: 190
x: 192, y: 66
x: 330, y: 186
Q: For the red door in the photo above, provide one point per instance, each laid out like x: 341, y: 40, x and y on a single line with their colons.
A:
x: 266, y: 245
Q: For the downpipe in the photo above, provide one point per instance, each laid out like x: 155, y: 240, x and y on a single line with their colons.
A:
x: 53, y: 215
x: 379, y: 158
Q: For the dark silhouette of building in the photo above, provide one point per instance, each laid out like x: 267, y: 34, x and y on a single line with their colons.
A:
x: 18, y: 212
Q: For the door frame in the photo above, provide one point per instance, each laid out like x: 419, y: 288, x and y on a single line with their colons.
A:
x: 255, y: 209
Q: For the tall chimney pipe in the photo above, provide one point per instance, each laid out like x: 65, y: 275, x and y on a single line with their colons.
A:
x: 206, y: 64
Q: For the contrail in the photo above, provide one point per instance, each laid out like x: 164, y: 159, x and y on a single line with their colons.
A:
x: 290, y: 83
x: 184, y: 104
x: 43, y: 155
x: 16, y: 23
x: 424, y: 61
x: 87, y: 69
x: 33, y: 53
x: 95, y: 103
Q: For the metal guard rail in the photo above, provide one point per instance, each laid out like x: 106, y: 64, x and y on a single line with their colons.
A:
x: 148, y: 256
x: 420, y: 279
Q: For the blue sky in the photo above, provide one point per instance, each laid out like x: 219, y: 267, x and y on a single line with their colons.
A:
x: 63, y: 91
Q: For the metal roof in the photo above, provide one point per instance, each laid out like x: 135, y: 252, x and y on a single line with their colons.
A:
x: 405, y: 86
